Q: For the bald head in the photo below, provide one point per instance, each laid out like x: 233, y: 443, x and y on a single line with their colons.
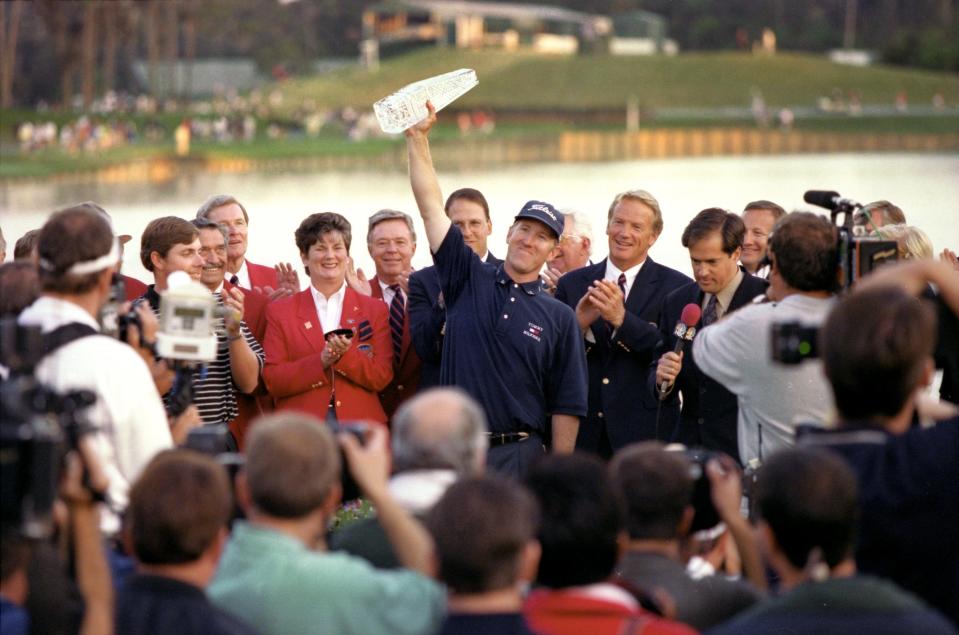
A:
x: 442, y: 428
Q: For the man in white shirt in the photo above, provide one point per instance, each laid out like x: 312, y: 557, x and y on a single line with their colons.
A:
x: 78, y: 257
x: 736, y: 352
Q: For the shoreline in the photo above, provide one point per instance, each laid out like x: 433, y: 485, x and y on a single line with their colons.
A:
x: 567, y: 147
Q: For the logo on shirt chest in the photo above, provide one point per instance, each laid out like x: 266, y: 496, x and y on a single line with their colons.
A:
x: 534, y: 331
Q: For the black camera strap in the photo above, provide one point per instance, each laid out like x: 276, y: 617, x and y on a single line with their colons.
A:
x: 63, y: 335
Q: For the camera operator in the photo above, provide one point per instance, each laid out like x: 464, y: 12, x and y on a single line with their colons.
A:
x: 877, y: 352
x: 736, y: 351
x: 170, y: 244
x: 657, y: 489
x: 78, y: 256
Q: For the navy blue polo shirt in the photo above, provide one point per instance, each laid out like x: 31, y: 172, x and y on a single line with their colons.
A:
x: 516, y: 350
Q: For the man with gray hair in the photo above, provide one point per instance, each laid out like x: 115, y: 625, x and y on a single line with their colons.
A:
x: 391, y: 241
x: 439, y: 436
x: 275, y: 282
x: 573, y: 251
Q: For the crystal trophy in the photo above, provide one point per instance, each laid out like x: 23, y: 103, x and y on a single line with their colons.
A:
x: 407, y: 106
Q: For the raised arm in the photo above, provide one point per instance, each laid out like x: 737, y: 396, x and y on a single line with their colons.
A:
x: 426, y: 187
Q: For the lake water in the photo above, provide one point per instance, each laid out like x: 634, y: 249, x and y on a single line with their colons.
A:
x: 926, y: 186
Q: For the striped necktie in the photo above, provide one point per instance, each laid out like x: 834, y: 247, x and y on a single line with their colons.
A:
x: 711, y: 314
x: 397, y: 318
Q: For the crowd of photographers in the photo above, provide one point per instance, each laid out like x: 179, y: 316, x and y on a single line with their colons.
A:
x: 175, y: 453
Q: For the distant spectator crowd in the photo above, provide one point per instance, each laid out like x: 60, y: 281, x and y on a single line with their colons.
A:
x: 549, y: 444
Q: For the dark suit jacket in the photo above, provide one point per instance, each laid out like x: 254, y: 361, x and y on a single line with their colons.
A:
x: 259, y: 402
x: 427, y: 319
x: 406, y: 369
x: 294, y: 372
x: 618, y: 405
x: 709, y: 411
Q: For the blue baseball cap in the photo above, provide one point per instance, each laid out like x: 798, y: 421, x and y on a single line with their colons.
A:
x: 544, y: 213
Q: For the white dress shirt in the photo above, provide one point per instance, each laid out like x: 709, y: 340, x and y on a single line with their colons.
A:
x: 612, y: 274
x: 389, y: 294
x: 242, y: 276
x: 329, y: 310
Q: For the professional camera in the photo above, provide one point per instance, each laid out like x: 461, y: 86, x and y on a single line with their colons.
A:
x: 793, y: 342
x: 857, y: 255
x: 113, y: 321
x: 705, y: 516
x: 187, y: 314
x: 214, y: 441
x: 38, y: 426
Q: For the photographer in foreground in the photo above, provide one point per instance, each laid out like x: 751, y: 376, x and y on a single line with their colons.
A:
x: 78, y: 256
x: 877, y: 352
x: 806, y: 502
x: 276, y: 573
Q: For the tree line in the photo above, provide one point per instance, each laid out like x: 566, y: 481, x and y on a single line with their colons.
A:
x: 54, y: 50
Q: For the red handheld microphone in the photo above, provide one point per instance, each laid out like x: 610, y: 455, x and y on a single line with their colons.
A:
x: 685, y: 331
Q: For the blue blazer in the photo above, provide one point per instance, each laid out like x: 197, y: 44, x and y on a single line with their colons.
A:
x: 709, y: 412
x: 619, y: 407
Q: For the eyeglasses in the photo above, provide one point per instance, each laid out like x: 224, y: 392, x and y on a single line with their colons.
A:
x: 570, y: 237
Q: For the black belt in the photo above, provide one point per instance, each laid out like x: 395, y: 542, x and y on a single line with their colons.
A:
x: 502, y: 438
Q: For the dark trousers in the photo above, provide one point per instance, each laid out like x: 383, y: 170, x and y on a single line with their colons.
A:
x: 513, y: 459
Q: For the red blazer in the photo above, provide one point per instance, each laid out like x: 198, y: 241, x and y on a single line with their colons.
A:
x: 261, y: 276
x: 406, y: 369
x: 259, y: 402
x: 254, y: 310
x: 294, y: 372
x: 134, y: 288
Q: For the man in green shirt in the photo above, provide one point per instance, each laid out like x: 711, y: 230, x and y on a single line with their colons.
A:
x: 276, y: 573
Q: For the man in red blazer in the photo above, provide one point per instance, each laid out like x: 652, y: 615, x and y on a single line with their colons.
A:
x: 275, y: 282
x: 391, y: 241
x: 303, y: 369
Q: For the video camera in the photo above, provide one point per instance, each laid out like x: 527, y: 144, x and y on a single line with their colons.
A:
x: 857, y: 255
x: 38, y: 426
x: 705, y: 516
x: 113, y: 321
x: 793, y: 342
x: 189, y: 319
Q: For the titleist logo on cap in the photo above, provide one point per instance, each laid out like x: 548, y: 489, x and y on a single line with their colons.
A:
x: 543, y: 208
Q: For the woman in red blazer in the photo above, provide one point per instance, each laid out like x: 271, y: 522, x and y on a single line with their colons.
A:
x: 303, y: 369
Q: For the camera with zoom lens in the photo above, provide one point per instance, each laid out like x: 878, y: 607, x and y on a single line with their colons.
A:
x: 113, y: 321
x: 38, y: 426
x: 856, y: 255
x: 705, y: 515
x: 794, y: 342
x: 188, y: 312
